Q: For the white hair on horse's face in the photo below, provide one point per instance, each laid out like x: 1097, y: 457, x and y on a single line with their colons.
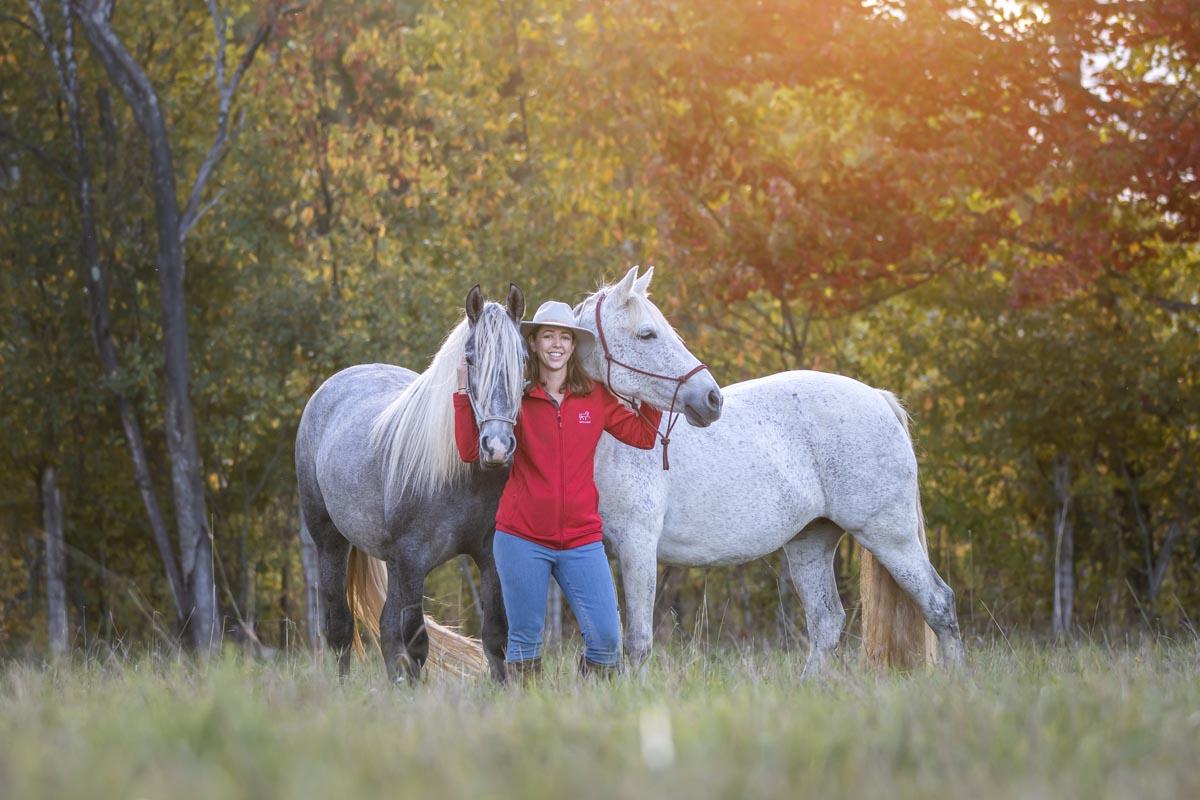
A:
x: 499, y: 360
x: 416, y: 430
x: 643, y: 312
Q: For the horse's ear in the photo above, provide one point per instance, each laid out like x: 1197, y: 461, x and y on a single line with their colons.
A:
x: 622, y: 289
x: 643, y: 283
x: 516, y: 302
x: 474, y: 303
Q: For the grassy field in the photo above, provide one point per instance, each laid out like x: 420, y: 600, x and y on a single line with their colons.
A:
x: 1090, y: 721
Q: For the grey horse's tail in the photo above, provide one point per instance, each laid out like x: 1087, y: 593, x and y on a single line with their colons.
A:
x: 366, y: 591
x: 894, y: 633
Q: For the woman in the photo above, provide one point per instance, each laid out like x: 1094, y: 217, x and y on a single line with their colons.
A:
x: 547, y: 523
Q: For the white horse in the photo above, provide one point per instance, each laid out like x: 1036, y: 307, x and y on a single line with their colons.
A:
x: 797, y: 459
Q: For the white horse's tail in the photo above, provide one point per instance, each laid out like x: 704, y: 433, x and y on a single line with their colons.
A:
x: 366, y: 591
x: 894, y: 633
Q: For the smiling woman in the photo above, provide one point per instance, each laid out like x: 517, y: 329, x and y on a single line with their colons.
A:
x: 547, y: 523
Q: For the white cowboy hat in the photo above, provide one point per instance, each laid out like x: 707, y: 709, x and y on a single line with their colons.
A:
x: 559, y: 315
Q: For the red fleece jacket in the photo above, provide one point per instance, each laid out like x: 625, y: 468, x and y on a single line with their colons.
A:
x: 551, y: 497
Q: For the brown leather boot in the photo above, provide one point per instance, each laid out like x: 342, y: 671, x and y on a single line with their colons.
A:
x: 523, y: 673
x: 590, y: 669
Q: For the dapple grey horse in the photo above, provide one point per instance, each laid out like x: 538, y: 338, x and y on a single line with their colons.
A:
x: 798, y: 459
x: 377, y: 470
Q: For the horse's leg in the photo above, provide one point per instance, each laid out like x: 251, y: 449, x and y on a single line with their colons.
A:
x: 810, y: 564
x: 494, y: 625
x: 332, y: 550
x: 637, y: 555
x: 402, y: 634
x: 893, y: 539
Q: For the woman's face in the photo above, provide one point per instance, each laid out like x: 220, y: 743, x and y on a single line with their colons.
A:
x: 553, y: 347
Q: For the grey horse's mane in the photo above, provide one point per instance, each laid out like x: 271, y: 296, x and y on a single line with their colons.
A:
x: 415, y: 433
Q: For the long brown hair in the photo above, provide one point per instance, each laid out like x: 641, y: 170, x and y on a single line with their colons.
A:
x: 577, y: 383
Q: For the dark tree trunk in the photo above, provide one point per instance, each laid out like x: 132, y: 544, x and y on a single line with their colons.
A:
x: 56, y: 564
x: 1064, y: 551
x: 195, y: 542
x: 97, y: 284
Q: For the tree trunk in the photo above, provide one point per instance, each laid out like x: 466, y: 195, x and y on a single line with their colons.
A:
x: 744, y: 601
x: 246, y: 576
x: 785, y: 614
x: 665, y: 603
x: 312, y: 589
x: 97, y: 286
x: 195, y: 542
x: 464, y: 569
x: 1064, y: 551
x: 285, y: 604
x: 554, y: 618
x: 56, y: 563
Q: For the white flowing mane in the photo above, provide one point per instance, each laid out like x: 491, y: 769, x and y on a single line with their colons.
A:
x: 415, y: 433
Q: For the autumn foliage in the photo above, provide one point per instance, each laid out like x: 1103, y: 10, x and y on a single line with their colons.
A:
x: 991, y: 208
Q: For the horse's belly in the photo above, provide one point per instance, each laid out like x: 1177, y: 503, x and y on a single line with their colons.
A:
x: 720, y: 547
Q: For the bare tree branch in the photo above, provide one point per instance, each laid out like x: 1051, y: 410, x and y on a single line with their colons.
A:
x: 225, y: 95
x: 47, y: 160
x: 18, y: 22
x: 1166, y: 303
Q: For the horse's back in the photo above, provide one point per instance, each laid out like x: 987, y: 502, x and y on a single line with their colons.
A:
x: 337, y: 466
x: 789, y: 448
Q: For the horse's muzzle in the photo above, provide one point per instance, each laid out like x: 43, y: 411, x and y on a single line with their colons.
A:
x: 496, y: 452
x: 702, y: 401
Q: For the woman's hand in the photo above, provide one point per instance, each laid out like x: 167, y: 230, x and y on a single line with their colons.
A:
x: 462, y: 375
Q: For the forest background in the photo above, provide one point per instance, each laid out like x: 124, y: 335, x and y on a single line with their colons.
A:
x: 206, y: 209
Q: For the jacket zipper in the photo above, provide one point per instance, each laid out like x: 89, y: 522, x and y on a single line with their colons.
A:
x: 562, y: 480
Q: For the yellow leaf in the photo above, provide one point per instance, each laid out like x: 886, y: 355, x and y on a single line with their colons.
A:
x: 586, y: 24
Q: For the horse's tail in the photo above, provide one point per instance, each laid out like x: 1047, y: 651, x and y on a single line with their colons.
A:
x: 366, y: 591
x: 894, y: 632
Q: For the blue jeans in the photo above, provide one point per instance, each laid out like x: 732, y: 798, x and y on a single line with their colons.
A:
x: 582, y: 572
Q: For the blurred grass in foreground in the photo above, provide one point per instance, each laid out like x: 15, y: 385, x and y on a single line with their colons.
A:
x: 1089, y: 721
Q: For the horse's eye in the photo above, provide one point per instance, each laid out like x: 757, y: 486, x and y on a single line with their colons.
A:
x: 645, y: 334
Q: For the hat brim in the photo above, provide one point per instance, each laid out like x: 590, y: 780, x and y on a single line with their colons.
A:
x: 584, y: 339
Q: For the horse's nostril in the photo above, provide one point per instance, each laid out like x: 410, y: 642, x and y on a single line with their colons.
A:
x: 714, y: 399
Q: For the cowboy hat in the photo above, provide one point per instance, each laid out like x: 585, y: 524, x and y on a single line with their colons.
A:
x: 555, y: 314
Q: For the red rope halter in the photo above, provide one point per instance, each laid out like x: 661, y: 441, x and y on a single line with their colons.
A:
x: 672, y: 417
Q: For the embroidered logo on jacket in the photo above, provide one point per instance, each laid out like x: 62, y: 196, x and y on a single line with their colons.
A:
x: 585, y: 417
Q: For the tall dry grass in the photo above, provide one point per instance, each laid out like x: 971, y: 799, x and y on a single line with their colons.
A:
x: 1091, y: 721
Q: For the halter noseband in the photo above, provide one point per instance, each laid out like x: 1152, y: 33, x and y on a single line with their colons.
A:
x: 482, y: 418
x: 672, y: 417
